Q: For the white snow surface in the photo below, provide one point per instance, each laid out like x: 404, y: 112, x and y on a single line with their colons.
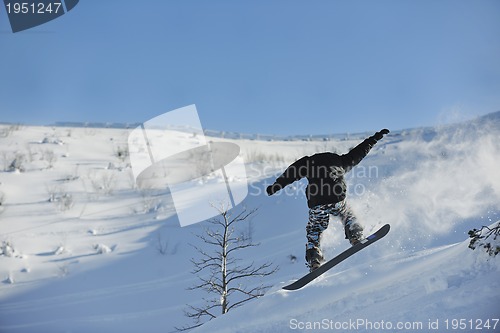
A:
x: 83, y: 250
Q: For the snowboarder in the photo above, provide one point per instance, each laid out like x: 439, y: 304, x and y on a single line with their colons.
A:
x: 326, y: 193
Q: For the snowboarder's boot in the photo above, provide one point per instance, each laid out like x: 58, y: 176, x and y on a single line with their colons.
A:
x: 314, y: 258
x: 354, y: 233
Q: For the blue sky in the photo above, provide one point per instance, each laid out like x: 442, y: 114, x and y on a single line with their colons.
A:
x: 262, y: 66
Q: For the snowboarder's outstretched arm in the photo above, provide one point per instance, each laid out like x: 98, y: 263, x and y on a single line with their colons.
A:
x: 299, y: 169
x: 294, y: 172
x: 355, y: 155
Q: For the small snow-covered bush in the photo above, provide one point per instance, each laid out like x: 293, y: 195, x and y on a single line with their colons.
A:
x: 50, y: 157
x: 9, y: 279
x: 17, y: 164
x: 55, y: 141
x: 103, y: 183
x: 487, y: 238
x: 122, y: 153
x: 62, y: 200
x: 149, y: 205
x: 102, y: 249
x: 7, y: 249
x: 66, y: 202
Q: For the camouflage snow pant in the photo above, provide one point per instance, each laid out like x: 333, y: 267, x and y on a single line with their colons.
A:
x: 319, y: 216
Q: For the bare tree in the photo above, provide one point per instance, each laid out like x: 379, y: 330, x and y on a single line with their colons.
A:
x: 50, y: 157
x: 228, y: 276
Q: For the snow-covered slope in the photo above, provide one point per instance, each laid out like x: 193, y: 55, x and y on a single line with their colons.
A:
x: 84, y: 250
x: 395, y: 293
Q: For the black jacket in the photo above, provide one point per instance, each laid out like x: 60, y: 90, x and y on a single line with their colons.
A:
x: 325, y: 173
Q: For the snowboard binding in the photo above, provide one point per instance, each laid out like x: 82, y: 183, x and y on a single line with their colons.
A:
x: 314, y: 258
x: 354, y: 233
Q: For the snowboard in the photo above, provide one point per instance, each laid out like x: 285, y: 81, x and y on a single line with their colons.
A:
x: 338, y: 259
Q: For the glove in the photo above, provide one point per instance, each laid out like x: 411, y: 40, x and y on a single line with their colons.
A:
x: 271, y: 189
x: 379, y: 135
